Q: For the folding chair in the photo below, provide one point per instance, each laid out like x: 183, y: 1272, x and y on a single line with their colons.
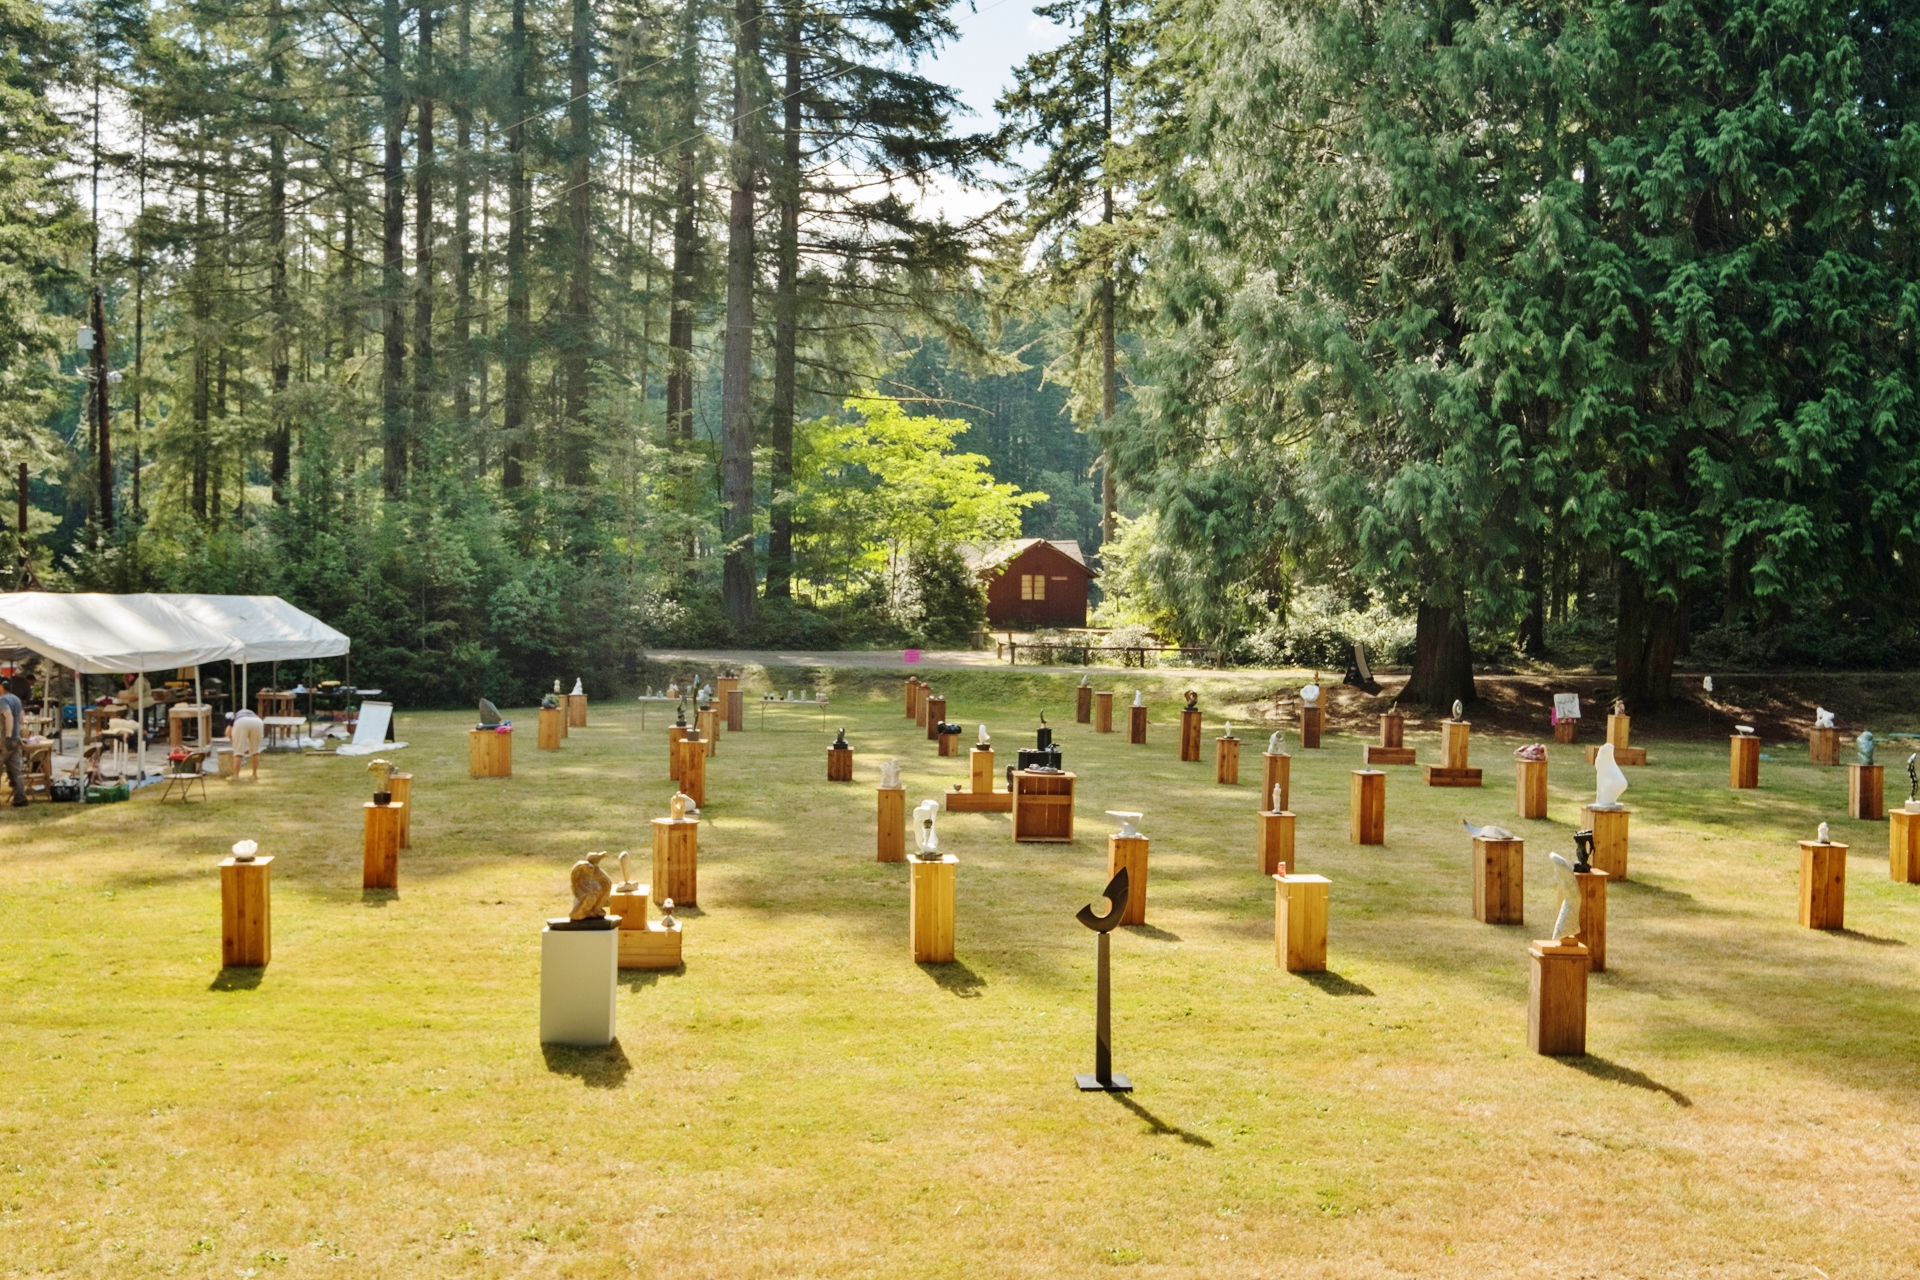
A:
x: 184, y: 773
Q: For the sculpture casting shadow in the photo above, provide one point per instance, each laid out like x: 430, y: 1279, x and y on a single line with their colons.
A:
x: 1155, y: 1125
x: 378, y: 897
x: 690, y: 911
x: 603, y: 1067
x: 1148, y: 931
x: 1869, y: 938
x: 1336, y: 985
x: 1601, y: 1069
x: 956, y: 979
x: 635, y: 979
x: 238, y: 978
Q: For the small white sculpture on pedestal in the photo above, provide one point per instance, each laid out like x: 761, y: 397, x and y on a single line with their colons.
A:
x: 1139, y: 699
x: 244, y: 851
x: 1824, y: 835
x: 682, y: 806
x: 1310, y: 695
x: 1229, y: 732
x: 1459, y: 710
x: 926, y: 841
x: 1488, y: 832
x: 1279, y: 798
x: 1609, y: 782
x: 1744, y: 730
x: 1567, y: 923
x: 1706, y: 682
x: 1822, y: 718
x: 1127, y: 830
x: 889, y: 775
x: 627, y: 883
x: 983, y: 739
x: 579, y: 690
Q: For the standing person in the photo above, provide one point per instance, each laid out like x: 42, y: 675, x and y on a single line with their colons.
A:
x: 12, y: 716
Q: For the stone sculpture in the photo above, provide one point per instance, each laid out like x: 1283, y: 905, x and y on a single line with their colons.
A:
x: 1488, y: 832
x: 627, y: 883
x: 682, y: 806
x: 244, y: 851
x: 1567, y: 923
x: 1139, y: 699
x: 1274, y: 743
x: 680, y: 716
x: 1127, y: 830
x: 382, y: 771
x: 1822, y: 718
x: 1459, y: 710
x: 1229, y: 732
x: 550, y: 701
x: 556, y: 687
x: 579, y: 690
x: 1084, y: 681
x: 1279, y: 798
x: 591, y: 888
x: 982, y: 738
x: 489, y: 715
x: 1913, y: 785
x: 1744, y: 730
x: 1864, y: 745
x: 926, y: 841
x: 1824, y: 835
x: 1310, y: 695
x: 1583, y: 851
x: 1609, y: 782
x: 667, y: 918
x: 1619, y: 706
x: 1532, y: 751
x: 890, y: 775
x: 1193, y: 700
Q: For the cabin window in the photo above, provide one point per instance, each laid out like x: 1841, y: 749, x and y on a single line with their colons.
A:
x: 1033, y: 586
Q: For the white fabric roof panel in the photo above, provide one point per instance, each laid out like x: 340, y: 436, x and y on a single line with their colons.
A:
x: 100, y: 634
x: 267, y: 627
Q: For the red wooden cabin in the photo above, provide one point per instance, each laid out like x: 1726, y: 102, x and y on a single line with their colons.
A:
x: 1033, y: 583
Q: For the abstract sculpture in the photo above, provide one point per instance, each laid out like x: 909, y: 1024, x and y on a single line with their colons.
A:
x: 1619, y: 706
x: 1279, y: 796
x: 1274, y: 743
x: 489, y: 715
x: 1864, y: 745
x: 1913, y: 782
x: 550, y: 701
x: 382, y: 771
x: 591, y: 889
x: 1193, y: 700
x: 244, y: 851
x: 1583, y: 851
x: 926, y: 841
x: 1127, y: 830
x: 1823, y: 835
x: 579, y: 690
x: 556, y: 686
x: 627, y: 883
x: 1706, y: 682
x: 681, y: 806
x: 1139, y: 699
x: 1459, y: 709
x: 1229, y: 732
x: 1488, y: 832
x: 890, y: 775
x: 1744, y: 730
x: 840, y: 740
x: 1822, y: 718
x: 1310, y: 694
x: 982, y: 738
x: 1103, y: 1080
x: 1609, y: 783
x: 1567, y: 923
x: 1532, y: 751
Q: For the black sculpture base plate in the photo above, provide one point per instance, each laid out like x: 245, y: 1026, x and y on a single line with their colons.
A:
x: 1090, y: 1083
x: 592, y: 924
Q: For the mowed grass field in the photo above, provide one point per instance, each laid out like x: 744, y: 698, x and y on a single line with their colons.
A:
x: 801, y: 1100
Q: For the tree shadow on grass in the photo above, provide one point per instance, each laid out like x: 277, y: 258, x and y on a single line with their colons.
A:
x: 378, y: 897
x: 956, y: 979
x: 1601, y: 1069
x: 1872, y: 939
x: 1148, y: 931
x: 598, y: 1067
x: 1644, y: 888
x: 1335, y: 984
x: 238, y: 977
x: 1156, y: 1126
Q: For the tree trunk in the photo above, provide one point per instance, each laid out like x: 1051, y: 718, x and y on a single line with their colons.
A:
x: 393, y: 288
x: 1533, y: 627
x: 514, y: 395
x: 683, y: 292
x: 1645, y: 640
x: 1109, y: 388
x: 1442, y: 659
x: 786, y: 324
x: 202, y: 293
x: 459, y: 353
x: 423, y: 370
x: 736, y: 409
x: 576, y: 327
x: 280, y: 444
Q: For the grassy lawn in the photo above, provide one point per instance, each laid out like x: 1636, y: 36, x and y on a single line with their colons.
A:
x: 802, y: 1100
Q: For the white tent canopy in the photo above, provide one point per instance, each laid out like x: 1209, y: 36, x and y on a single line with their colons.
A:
x: 267, y: 627
x: 99, y: 634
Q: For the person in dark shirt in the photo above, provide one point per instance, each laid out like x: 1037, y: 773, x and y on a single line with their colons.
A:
x: 12, y: 718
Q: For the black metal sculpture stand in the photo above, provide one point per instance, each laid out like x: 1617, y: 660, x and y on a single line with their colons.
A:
x: 1103, y: 1080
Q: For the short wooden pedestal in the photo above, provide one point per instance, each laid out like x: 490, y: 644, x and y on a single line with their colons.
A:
x: 676, y: 860
x: 690, y: 754
x: 891, y: 845
x: 736, y: 711
x: 930, y: 909
x: 1619, y: 730
x: 1083, y: 704
x: 707, y: 720
x: 980, y: 770
x: 1530, y: 788
x: 1226, y: 761
x: 1499, y: 881
x: 1300, y: 923
x: 980, y: 797
x: 246, y: 913
x: 913, y: 695
x: 1609, y: 827
x: 839, y: 764
x: 1042, y: 806
x: 577, y: 710
x: 1103, y: 713
x: 1276, y: 771
x: 551, y: 721
x: 1130, y: 852
x: 579, y: 980
x: 1743, y: 762
x: 1377, y: 754
x: 1823, y: 746
x: 1903, y: 846
x: 1276, y: 842
x: 644, y: 945
x: 949, y: 744
x: 1189, y: 734
x: 1566, y: 731
x: 676, y: 733
x: 380, y: 846
x: 490, y: 753
x: 401, y: 785
x: 936, y: 714
x: 1313, y: 720
x: 1866, y: 792
x: 1367, y: 807
x: 1593, y: 917
x: 1453, y: 769
x: 1823, y: 885
x: 1557, y: 998
x: 1137, y: 726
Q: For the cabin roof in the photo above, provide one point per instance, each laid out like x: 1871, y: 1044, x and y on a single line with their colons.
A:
x: 982, y: 558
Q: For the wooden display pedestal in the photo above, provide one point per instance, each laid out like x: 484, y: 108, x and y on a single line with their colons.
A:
x: 1300, y: 923
x: 1042, y: 806
x: 1083, y: 704
x: 1903, y: 846
x: 1557, y: 998
x: 891, y: 844
x: 490, y: 753
x: 401, y: 785
x: 1226, y: 761
x: 690, y: 759
x: 1453, y: 770
x: 839, y: 764
x: 1276, y: 770
x: 1439, y: 775
x: 1137, y: 726
x: 980, y: 797
x: 1391, y: 755
x: 380, y: 846
x: 707, y: 720
x: 1367, y: 807
x: 1499, y: 881
x: 1393, y: 729
x: 913, y: 696
x: 1621, y: 755
x: 1276, y: 842
x: 1566, y: 731
x: 1313, y: 722
x: 920, y: 706
x: 1530, y: 788
x: 950, y: 744
x: 1866, y: 792
x: 736, y: 711
x: 1130, y: 852
x: 552, y: 720
x: 1609, y: 827
x: 1593, y: 917
x: 936, y: 712
x: 676, y: 733
x: 1189, y: 735
x: 1103, y: 713
x: 1619, y: 729
x: 676, y: 860
x: 1823, y: 885
x: 576, y: 705
x: 246, y: 913
x: 644, y: 945
x: 1743, y: 762
x: 724, y: 685
x: 930, y: 909
x: 1823, y: 746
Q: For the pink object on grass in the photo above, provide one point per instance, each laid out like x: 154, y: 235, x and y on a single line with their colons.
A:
x: 909, y: 655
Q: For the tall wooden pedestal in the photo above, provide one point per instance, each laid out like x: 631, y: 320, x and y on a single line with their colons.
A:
x: 1103, y: 713
x: 1530, y: 788
x: 930, y: 909
x: 552, y: 719
x: 1189, y: 735
x: 921, y: 707
x: 380, y: 846
x: 980, y: 770
x: 1499, y: 884
x: 1866, y: 792
x: 892, y: 842
x: 1313, y: 721
x: 1083, y: 704
x: 1276, y: 771
x: 736, y: 711
x: 1137, y: 726
x: 1823, y: 885
x: 676, y: 860
x: 1557, y: 998
x: 1453, y: 769
x: 936, y: 714
x: 1042, y: 806
x: 1130, y: 852
x: 839, y: 764
x: 576, y: 710
x: 707, y: 720
x: 1367, y: 807
x: 1609, y: 827
x: 490, y: 753
x: 1743, y: 762
x: 401, y: 785
x: 1593, y: 917
x: 1275, y: 842
x: 722, y: 686
x: 1903, y: 846
x: 1300, y: 923
x: 690, y: 754
x: 1823, y: 746
x: 1226, y: 761
x: 913, y: 696
x: 246, y: 913
x: 676, y: 733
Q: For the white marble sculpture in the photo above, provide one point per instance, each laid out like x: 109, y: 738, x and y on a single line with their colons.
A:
x: 556, y: 686
x: 1229, y: 732
x: 1706, y: 682
x: 1127, y: 830
x: 1822, y: 718
x: 627, y: 883
x: 579, y: 689
x: 1825, y: 836
x: 1459, y: 710
x: 1274, y: 744
x: 1609, y: 782
x: 925, y: 839
x: 1279, y: 799
x: 890, y: 775
x: 1567, y: 923
x: 1084, y: 681
x: 1139, y: 699
x: 1488, y: 832
x: 1310, y: 695
x: 244, y: 850
x: 983, y: 739
x: 1744, y: 730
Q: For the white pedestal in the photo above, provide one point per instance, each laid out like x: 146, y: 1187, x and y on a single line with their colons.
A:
x: 579, y: 975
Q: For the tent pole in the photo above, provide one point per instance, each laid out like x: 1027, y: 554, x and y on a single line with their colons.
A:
x: 140, y: 697
x: 80, y: 715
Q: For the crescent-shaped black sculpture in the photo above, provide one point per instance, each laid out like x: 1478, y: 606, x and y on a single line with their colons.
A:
x: 1103, y: 1080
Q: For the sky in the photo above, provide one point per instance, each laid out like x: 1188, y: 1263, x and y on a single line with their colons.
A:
x: 995, y: 37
